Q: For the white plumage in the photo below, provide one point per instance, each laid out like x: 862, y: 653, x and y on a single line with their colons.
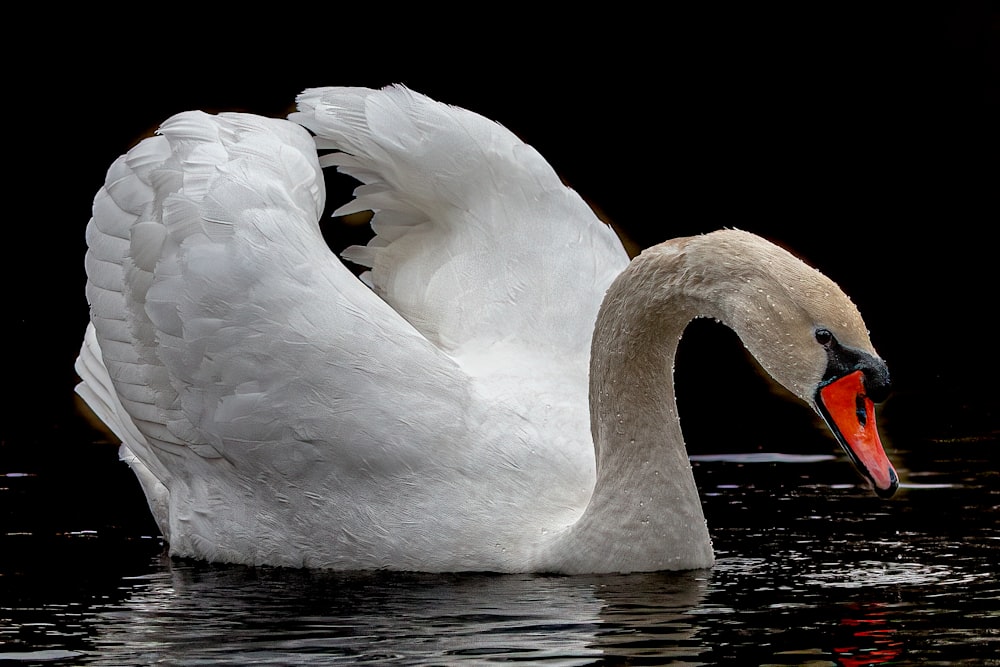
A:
x: 435, y: 416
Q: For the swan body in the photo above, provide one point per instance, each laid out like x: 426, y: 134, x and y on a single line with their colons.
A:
x: 493, y: 393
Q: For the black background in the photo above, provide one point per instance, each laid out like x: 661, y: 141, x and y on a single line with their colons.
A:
x: 862, y: 137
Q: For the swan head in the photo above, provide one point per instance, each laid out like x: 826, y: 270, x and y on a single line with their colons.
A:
x: 804, y: 331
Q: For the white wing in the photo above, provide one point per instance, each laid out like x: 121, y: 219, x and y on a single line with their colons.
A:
x: 478, y: 241
x: 280, y: 409
x: 224, y: 320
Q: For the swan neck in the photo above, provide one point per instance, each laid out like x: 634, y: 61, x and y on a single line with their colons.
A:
x: 645, y: 513
x: 632, y: 357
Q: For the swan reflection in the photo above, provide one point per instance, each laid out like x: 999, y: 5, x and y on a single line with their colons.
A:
x: 192, y: 611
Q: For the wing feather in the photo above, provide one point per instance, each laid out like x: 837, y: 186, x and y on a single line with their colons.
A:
x: 223, y: 321
x: 477, y: 240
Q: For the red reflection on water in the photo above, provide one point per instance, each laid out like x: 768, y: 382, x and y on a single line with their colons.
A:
x: 877, y: 643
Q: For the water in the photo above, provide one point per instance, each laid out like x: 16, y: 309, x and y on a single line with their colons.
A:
x: 812, y: 570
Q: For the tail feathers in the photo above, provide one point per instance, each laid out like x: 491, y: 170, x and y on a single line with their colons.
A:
x: 99, y: 394
x: 96, y: 389
x: 157, y: 495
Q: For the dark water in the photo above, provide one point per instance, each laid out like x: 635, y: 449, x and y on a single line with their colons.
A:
x: 813, y: 570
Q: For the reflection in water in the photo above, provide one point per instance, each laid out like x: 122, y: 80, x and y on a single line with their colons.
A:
x: 191, y: 612
x: 406, y: 618
x: 873, y: 636
x: 811, y: 570
x: 280, y: 616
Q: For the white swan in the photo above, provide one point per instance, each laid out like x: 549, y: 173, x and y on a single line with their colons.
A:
x: 277, y: 410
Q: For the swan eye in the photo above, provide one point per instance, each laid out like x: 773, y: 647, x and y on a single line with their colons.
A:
x: 824, y: 337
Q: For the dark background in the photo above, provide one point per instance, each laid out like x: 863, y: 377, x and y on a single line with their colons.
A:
x: 862, y: 137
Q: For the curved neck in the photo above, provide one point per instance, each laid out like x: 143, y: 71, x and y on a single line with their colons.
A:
x: 645, y: 513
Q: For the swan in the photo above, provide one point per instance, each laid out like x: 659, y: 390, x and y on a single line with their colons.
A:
x: 491, y: 390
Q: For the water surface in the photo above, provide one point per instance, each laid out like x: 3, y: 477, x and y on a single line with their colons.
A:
x: 812, y: 570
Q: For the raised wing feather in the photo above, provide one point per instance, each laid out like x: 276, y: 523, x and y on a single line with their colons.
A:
x: 262, y: 391
x: 225, y: 322
x: 478, y: 242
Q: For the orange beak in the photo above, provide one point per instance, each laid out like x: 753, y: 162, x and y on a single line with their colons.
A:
x: 850, y: 414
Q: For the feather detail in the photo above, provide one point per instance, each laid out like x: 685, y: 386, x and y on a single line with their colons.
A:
x: 436, y: 177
